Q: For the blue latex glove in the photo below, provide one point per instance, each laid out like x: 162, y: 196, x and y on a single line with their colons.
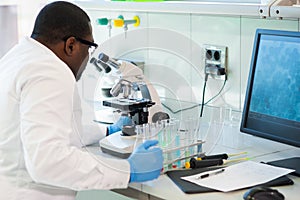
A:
x: 145, y: 162
x: 117, y: 126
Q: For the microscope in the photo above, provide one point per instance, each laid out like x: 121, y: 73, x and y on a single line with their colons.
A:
x: 133, y: 96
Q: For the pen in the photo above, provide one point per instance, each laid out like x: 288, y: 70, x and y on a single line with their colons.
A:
x: 211, y: 174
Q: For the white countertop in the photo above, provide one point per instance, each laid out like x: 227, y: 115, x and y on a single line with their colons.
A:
x: 230, y: 141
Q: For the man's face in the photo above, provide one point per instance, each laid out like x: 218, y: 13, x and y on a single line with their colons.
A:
x: 83, y: 59
x: 87, y: 45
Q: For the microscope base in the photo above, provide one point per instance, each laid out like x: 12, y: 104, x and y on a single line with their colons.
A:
x: 117, y: 145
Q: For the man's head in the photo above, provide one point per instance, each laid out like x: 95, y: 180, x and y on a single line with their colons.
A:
x: 65, y: 29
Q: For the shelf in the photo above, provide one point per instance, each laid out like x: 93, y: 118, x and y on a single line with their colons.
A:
x: 285, y: 9
x: 193, y: 7
x: 275, y: 8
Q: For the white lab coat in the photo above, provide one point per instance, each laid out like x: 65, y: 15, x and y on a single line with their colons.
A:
x: 40, y: 138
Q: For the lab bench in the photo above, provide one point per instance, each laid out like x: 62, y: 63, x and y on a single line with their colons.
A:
x: 229, y: 141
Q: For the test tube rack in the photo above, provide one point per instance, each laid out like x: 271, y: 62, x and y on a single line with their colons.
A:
x: 178, y: 144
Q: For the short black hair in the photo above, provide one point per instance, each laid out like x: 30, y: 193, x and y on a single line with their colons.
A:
x: 59, y: 20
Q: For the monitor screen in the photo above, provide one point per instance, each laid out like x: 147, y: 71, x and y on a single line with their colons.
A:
x: 272, y: 103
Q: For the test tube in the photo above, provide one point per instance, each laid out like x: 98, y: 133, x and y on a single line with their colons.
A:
x: 158, y: 132
x: 189, y: 133
x: 139, y: 136
x: 176, y: 143
x: 190, y: 127
x: 167, y: 138
x: 152, y: 131
x: 198, y: 136
x: 167, y: 143
x: 172, y: 143
x: 164, y: 136
x: 160, y: 129
x: 146, y: 131
x: 183, y: 141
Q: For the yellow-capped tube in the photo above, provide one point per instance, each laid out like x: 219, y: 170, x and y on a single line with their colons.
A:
x: 120, y: 22
x: 137, y: 21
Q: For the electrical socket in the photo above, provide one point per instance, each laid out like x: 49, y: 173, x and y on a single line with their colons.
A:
x: 215, y: 61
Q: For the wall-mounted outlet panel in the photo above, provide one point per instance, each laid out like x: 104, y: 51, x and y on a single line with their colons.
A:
x: 215, y: 61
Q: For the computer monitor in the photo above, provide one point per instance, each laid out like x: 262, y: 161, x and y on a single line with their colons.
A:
x: 272, y: 103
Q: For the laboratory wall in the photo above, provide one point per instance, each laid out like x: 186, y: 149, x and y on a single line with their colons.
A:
x: 8, y: 28
x: 171, y: 45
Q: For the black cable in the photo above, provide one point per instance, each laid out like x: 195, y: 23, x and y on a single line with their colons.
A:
x: 203, y: 95
x: 175, y: 112
x: 181, y: 110
x: 217, y: 93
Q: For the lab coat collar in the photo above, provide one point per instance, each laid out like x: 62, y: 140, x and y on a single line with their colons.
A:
x: 45, y: 50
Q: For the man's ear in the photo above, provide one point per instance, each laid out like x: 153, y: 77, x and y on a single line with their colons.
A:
x: 70, y: 46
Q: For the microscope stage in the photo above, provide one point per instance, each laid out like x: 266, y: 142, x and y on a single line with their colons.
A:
x: 128, y: 104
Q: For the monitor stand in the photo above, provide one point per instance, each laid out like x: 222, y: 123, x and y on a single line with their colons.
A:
x: 291, y: 163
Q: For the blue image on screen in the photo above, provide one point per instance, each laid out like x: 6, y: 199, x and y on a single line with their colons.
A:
x: 276, y: 91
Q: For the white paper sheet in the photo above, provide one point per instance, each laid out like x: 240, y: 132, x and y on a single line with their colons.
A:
x: 238, y: 176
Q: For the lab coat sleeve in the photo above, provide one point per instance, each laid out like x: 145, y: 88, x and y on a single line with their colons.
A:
x: 93, y: 133
x: 47, y: 119
x: 90, y: 132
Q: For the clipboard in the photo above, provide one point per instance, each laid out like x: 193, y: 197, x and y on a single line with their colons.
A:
x: 191, y: 188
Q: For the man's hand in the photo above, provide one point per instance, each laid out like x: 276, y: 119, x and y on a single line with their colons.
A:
x: 145, y: 162
x: 117, y: 126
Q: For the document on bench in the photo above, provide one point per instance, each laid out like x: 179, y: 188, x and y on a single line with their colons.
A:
x: 238, y: 176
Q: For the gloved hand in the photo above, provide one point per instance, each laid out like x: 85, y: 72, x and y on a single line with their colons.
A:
x: 145, y: 162
x: 117, y: 126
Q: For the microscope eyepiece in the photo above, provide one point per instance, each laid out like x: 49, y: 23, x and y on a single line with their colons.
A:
x: 107, y: 68
x: 103, y: 57
x: 110, y: 62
